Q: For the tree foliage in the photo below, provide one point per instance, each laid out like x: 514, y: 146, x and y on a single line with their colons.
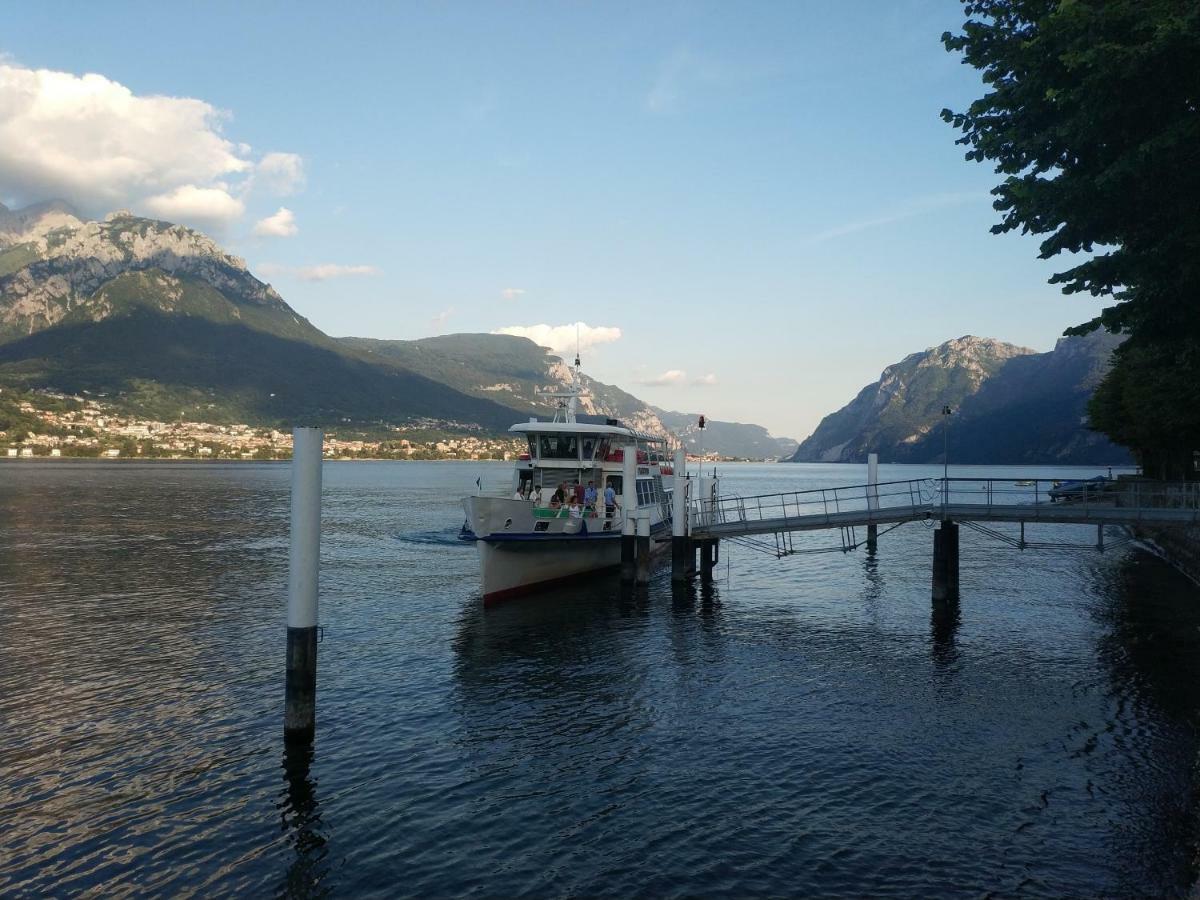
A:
x: 1092, y: 115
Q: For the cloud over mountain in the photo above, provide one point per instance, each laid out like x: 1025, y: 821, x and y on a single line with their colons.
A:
x: 281, y: 224
x: 671, y: 376
x: 564, y: 338
x: 94, y: 142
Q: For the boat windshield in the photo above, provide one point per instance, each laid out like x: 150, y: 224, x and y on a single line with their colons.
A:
x: 558, y: 446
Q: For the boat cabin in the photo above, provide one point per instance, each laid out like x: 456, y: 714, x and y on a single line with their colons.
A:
x: 578, y: 453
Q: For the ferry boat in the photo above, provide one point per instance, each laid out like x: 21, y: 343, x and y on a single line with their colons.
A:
x: 526, y: 540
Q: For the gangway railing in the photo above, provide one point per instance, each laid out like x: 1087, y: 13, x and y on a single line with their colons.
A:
x: 1000, y: 499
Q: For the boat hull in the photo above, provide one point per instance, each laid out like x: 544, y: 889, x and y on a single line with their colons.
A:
x: 513, y: 568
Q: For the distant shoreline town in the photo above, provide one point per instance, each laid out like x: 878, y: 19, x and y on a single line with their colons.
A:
x: 69, y: 426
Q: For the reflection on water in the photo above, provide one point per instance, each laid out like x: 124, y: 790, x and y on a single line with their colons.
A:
x: 301, y: 825
x: 806, y: 726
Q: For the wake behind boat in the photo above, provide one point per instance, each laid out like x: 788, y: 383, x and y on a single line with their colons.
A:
x: 562, y: 514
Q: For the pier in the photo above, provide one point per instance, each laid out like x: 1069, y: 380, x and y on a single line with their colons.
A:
x: 765, y: 522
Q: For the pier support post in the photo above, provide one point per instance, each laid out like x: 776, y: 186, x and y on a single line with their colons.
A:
x: 707, y: 558
x: 304, y: 562
x: 643, y: 549
x: 679, y: 513
x: 629, y: 512
x: 872, y: 500
x: 945, y: 563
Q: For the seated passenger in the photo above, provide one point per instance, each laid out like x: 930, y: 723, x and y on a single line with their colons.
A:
x: 559, y: 497
x: 575, y: 511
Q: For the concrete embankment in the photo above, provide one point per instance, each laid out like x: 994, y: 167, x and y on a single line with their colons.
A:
x: 1178, y: 546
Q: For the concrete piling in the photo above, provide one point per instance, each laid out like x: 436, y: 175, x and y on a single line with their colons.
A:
x: 629, y: 513
x: 643, y: 548
x: 872, y: 500
x: 679, y: 523
x: 945, y: 563
x: 707, y: 559
x: 304, y: 562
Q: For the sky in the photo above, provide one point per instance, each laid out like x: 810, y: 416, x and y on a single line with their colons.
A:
x: 751, y: 208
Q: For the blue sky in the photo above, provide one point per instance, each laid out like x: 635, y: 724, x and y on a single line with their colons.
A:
x: 760, y: 197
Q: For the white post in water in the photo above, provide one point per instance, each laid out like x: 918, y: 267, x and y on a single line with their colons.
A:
x: 872, y: 499
x: 679, y: 517
x: 628, y: 512
x: 304, y: 562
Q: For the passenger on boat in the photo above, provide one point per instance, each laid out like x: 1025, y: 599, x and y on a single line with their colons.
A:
x: 579, y: 492
x: 559, y: 497
x: 589, y: 496
x: 574, y: 511
x: 610, y: 501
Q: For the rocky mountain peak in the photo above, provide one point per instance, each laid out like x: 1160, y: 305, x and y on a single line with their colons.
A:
x: 31, y: 224
x: 52, y: 262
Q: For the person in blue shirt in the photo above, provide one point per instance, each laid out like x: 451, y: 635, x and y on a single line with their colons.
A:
x: 610, y: 501
x: 589, y: 496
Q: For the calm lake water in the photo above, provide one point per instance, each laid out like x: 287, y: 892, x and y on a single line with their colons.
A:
x: 804, y: 727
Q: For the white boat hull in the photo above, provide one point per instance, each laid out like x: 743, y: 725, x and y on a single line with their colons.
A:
x: 511, y: 568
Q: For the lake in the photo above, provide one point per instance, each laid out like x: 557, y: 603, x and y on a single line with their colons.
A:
x: 803, y: 726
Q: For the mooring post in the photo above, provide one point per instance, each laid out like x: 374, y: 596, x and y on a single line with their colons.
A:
x: 872, y: 500
x: 945, y: 562
x: 643, y: 546
x: 629, y: 511
x: 706, y: 560
x: 304, y: 563
x: 679, y: 514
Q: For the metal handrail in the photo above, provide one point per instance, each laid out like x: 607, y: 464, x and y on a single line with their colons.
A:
x: 1135, y: 496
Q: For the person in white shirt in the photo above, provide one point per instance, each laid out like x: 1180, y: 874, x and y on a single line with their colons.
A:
x: 574, y: 511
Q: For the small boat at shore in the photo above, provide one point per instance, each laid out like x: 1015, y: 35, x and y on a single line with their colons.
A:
x: 530, y: 536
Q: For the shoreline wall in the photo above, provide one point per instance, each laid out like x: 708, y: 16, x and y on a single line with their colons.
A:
x: 1178, y: 546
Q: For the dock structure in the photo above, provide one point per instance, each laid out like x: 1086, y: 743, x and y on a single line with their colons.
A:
x: 973, y: 502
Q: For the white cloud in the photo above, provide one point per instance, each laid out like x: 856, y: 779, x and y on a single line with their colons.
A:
x: 281, y: 224
x: 512, y: 293
x: 562, y: 338
x: 208, y: 206
x: 325, y: 271
x: 280, y: 173
x: 95, y: 143
x: 439, y: 320
x: 671, y: 376
x: 319, y: 272
x: 705, y: 380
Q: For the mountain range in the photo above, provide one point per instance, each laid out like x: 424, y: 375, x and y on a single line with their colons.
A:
x: 163, y: 322
x: 1010, y: 405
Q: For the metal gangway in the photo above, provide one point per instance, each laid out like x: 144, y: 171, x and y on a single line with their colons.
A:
x: 966, y: 500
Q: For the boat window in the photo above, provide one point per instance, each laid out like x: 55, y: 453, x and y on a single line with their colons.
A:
x: 532, y: 446
x: 559, y: 446
x: 602, y: 448
x: 645, y: 492
x: 588, y: 451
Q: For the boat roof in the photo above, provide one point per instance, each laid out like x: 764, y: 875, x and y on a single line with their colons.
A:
x: 582, y: 428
